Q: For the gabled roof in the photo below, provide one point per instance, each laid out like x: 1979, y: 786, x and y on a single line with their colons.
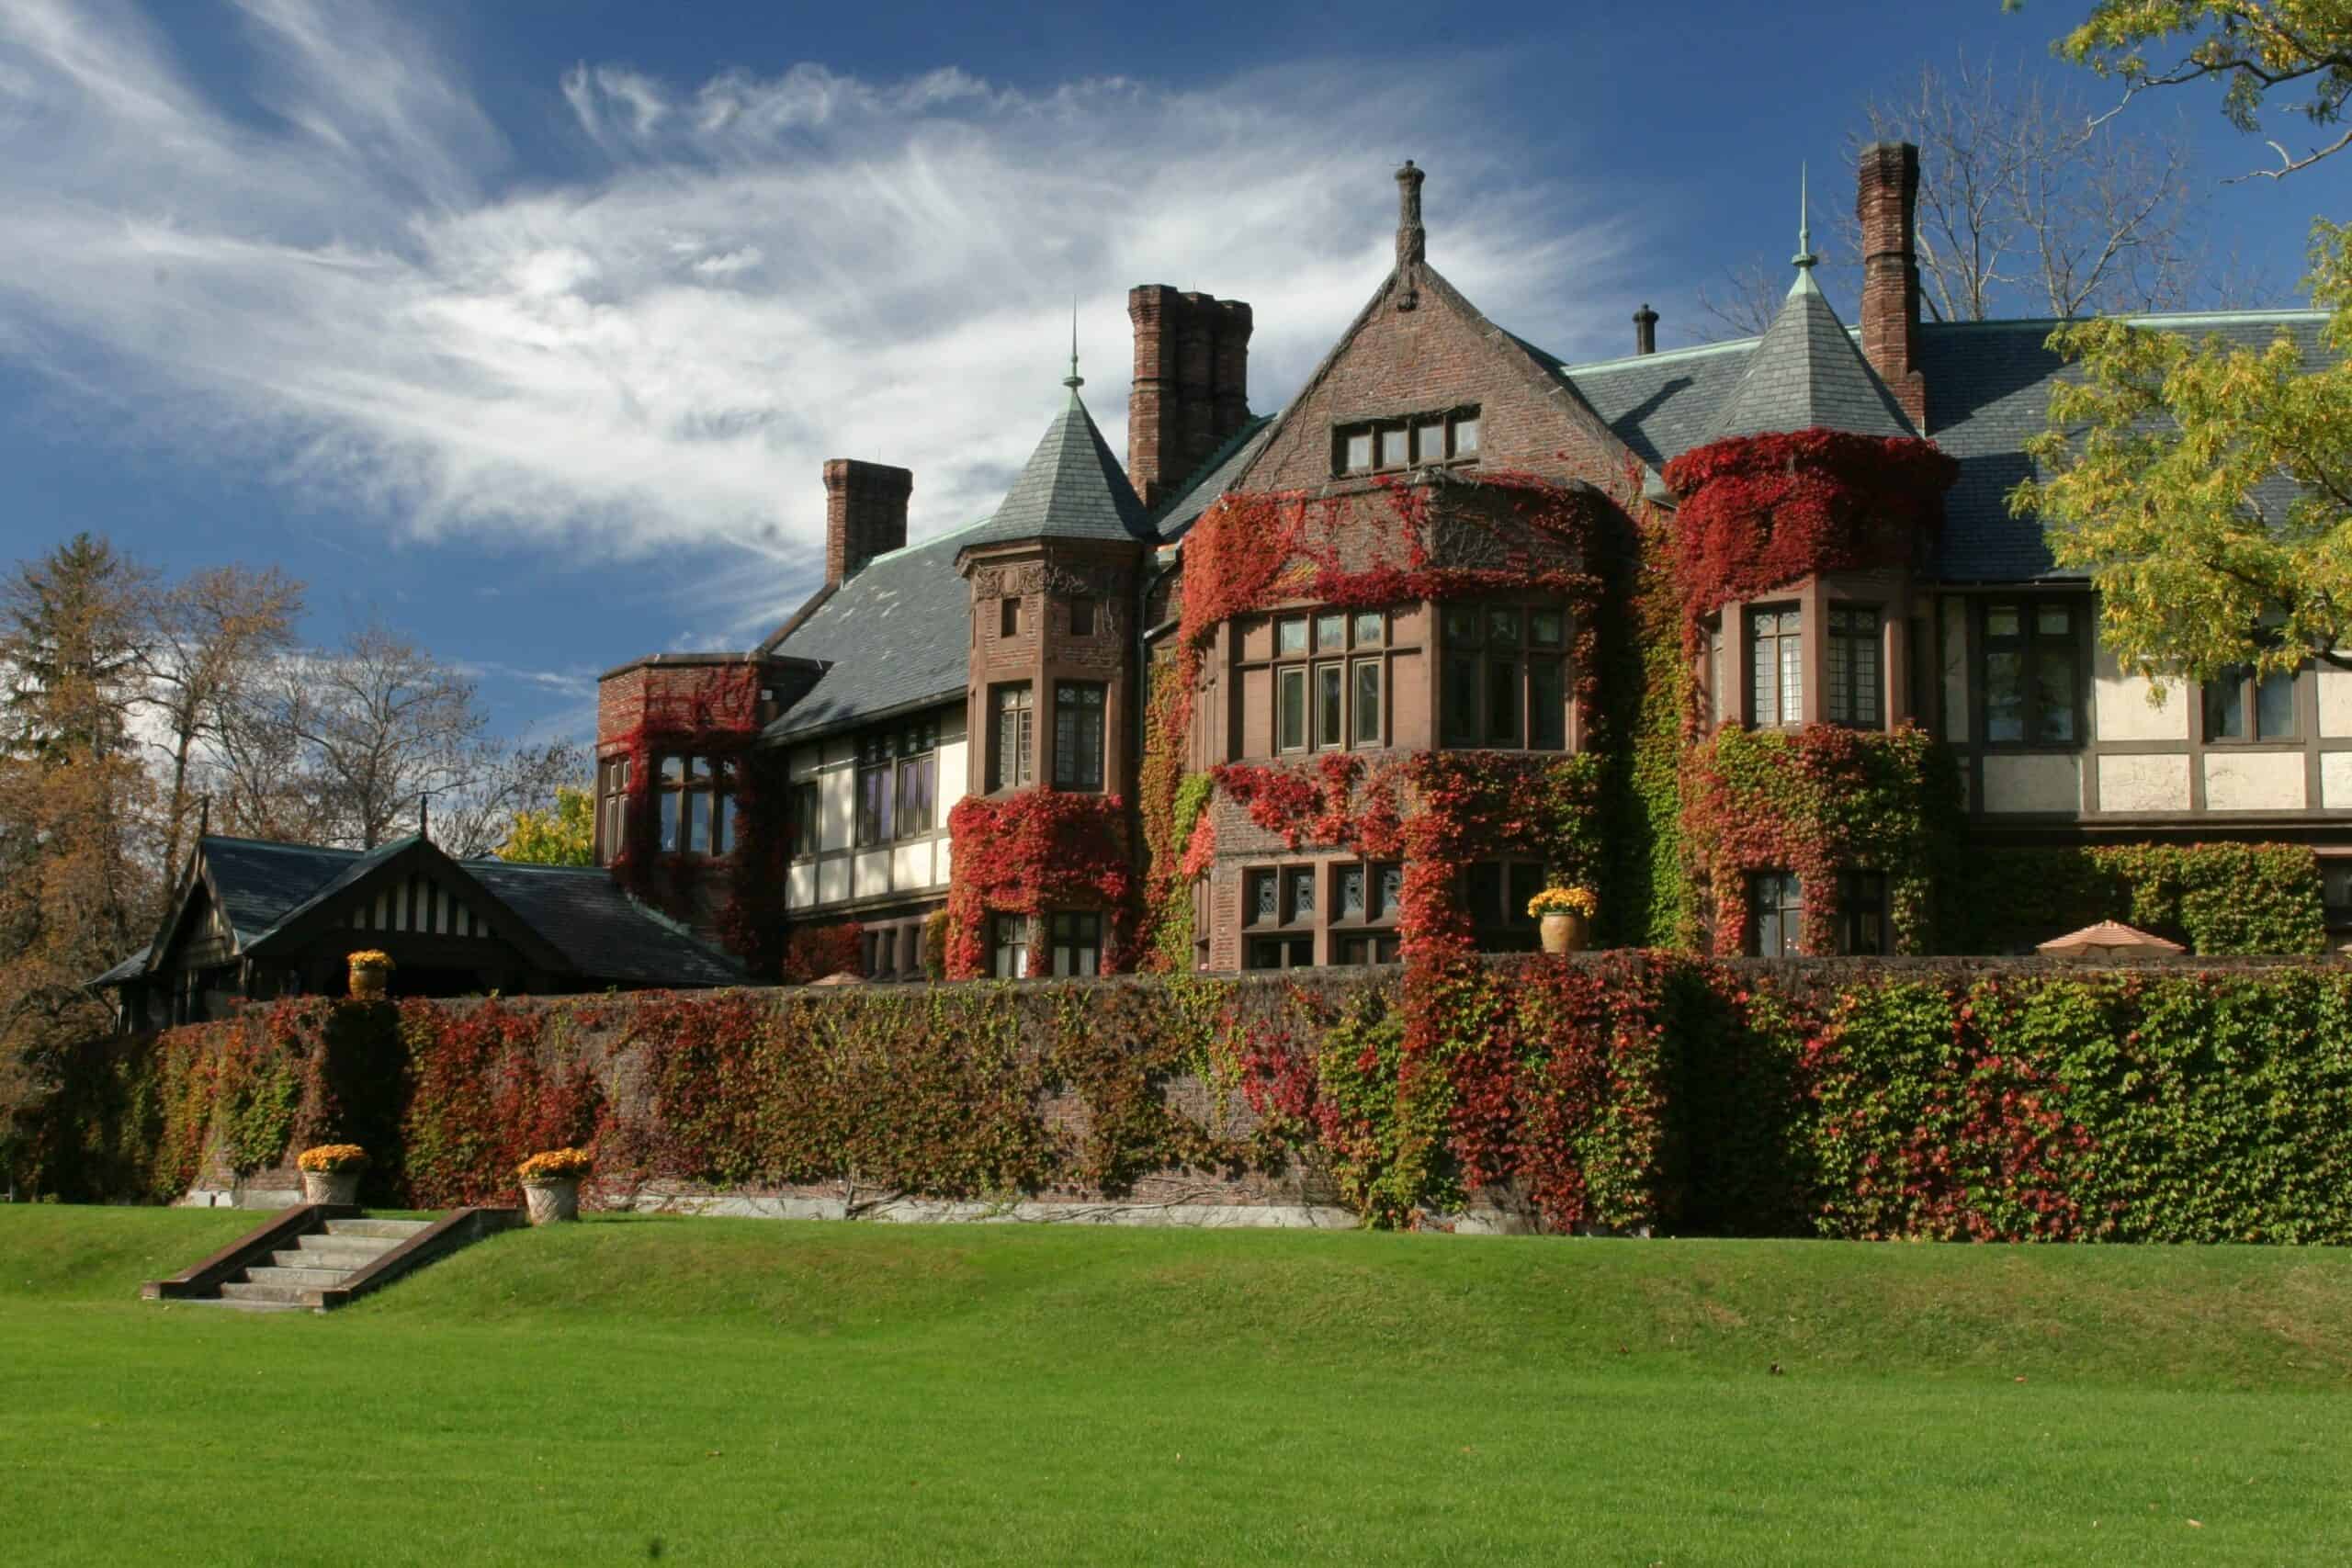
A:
x: 897, y: 635
x: 1072, y: 488
x: 570, y: 919
x: 1216, y: 476
x: 1806, y: 374
x: 1989, y: 390
x: 600, y: 929
x: 258, y: 884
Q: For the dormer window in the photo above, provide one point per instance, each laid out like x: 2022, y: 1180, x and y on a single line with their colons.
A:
x: 1414, y: 441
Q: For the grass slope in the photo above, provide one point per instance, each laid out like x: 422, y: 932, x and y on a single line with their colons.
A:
x: 755, y: 1391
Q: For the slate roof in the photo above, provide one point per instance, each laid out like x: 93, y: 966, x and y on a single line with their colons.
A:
x: 260, y: 884
x: 1216, y: 476
x: 1989, y: 390
x: 607, y: 934
x: 898, y: 633
x: 578, y: 911
x: 1072, y: 488
x: 1806, y: 374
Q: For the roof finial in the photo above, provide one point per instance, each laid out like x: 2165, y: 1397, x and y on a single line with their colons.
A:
x: 1804, y: 258
x: 1073, y: 380
x: 425, y: 814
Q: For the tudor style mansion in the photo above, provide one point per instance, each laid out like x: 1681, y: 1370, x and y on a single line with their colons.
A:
x: 1742, y: 636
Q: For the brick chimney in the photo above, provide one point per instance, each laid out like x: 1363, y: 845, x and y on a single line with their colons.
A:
x: 865, y: 513
x: 1191, y: 391
x: 1887, y: 199
x: 1645, y: 330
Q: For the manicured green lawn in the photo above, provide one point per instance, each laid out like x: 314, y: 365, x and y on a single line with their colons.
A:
x: 712, y: 1391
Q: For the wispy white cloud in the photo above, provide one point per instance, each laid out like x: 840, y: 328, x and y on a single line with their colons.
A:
x: 338, y: 272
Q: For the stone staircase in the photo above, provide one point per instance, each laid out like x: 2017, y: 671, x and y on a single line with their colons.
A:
x: 319, y: 1257
x: 292, y: 1277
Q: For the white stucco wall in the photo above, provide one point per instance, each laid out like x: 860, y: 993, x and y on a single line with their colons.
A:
x: 2254, y: 780
x: 2121, y: 709
x: 2144, y: 784
x: 2033, y: 783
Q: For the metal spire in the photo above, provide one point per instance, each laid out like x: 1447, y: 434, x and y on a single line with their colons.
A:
x: 1073, y: 380
x: 1804, y: 258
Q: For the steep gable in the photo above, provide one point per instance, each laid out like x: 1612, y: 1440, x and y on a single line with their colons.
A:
x: 1437, y: 353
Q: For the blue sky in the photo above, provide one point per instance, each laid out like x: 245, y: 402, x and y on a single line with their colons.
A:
x: 526, y: 325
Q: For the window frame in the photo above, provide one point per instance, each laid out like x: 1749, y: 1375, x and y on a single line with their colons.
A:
x: 1787, y: 912
x: 805, y: 819
x: 693, y: 812
x: 2249, y: 687
x: 612, y: 809
x: 1073, y: 943
x: 1009, y: 934
x: 1072, y: 696
x: 1863, y: 893
x: 1459, y: 432
x: 1330, y: 645
x: 1840, y: 648
x: 1471, y: 654
x: 888, y: 759
x: 2031, y: 644
x: 1753, y: 639
x: 1020, y: 771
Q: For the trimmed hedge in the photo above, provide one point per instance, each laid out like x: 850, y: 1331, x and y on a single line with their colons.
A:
x: 2222, y: 900
x: 1940, y: 1099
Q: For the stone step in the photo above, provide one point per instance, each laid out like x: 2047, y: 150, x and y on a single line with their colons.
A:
x: 310, y: 1279
x: 364, y: 1246
x: 232, y: 1305
x: 340, y: 1259
x: 290, y: 1295
x: 395, y: 1231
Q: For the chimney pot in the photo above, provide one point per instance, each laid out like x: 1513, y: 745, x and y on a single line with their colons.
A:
x: 1412, y: 239
x: 866, y: 514
x: 1645, y: 330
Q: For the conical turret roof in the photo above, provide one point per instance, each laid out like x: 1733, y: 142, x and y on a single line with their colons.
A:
x: 1072, y: 488
x: 1806, y: 372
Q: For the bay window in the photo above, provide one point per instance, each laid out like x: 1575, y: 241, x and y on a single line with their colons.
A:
x: 1504, y: 679
x: 1775, y: 666
x: 1328, y: 680
x: 1078, y: 735
x: 695, y: 805
x: 1012, y: 735
x: 1853, y: 696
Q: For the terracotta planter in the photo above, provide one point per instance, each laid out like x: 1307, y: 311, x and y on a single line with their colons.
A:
x: 331, y: 1187
x: 553, y: 1200
x: 367, y: 983
x: 1566, y: 933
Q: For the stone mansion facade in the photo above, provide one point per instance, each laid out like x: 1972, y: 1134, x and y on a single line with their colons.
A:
x: 809, y: 783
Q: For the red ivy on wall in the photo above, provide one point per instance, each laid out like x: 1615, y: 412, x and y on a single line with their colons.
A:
x: 1758, y: 513
x: 811, y: 953
x: 1031, y: 854
x: 711, y: 712
x: 1502, y: 533
x: 1819, y: 801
